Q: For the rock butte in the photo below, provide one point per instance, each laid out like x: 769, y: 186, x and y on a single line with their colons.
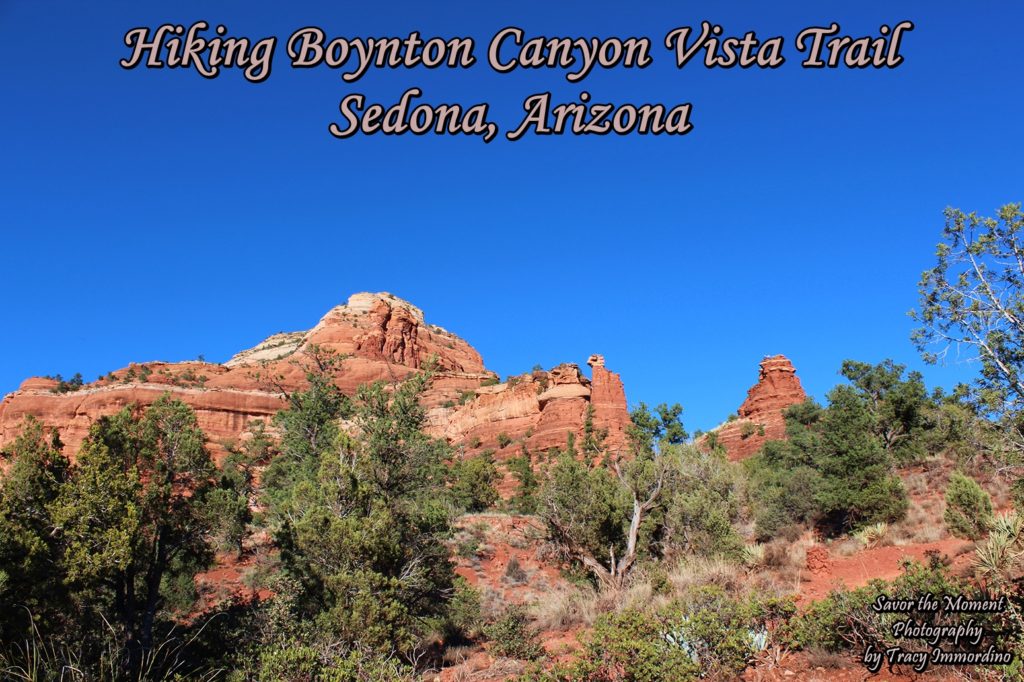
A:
x: 760, y: 417
x: 383, y: 337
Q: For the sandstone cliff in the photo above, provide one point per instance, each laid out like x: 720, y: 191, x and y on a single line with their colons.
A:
x: 538, y: 410
x: 382, y: 338
x: 760, y: 417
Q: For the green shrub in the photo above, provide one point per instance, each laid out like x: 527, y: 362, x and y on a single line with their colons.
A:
x: 473, y: 482
x: 71, y: 385
x: 968, y: 507
x: 295, y: 662
x: 463, y: 618
x: 525, y: 499
x: 708, y: 633
x: 504, y: 440
x: 513, y: 637
x: 832, y: 471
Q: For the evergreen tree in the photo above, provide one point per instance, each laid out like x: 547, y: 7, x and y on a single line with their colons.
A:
x: 856, y: 486
x: 29, y: 551
x: 968, y: 507
x: 133, y: 520
x: 362, y: 521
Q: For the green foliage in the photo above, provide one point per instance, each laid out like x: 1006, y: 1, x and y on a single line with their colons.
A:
x: 968, y: 508
x: 525, y: 499
x: 899, y: 407
x: 586, y: 509
x: 857, y: 487
x: 111, y: 545
x: 28, y: 549
x: 229, y: 502
x: 705, y: 634
x: 71, y: 385
x: 701, y: 506
x: 473, y: 481
x: 832, y: 470
x: 647, y: 429
x: 630, y: 646
x: 972, y: 299
x: 512, y: 635
x: 133, y: 516
x: 504, y: 440
x: 362, y: 522
x: 296, y: 662
x: 593, y: 438
x: 464, y: 619
x: 678, y: 501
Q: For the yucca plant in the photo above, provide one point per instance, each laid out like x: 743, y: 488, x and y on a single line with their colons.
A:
x: 753, y: 555
x: 999, y: 557
x: 872, y: 536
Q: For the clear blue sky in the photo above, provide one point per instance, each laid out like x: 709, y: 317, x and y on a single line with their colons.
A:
x: 158, y: 215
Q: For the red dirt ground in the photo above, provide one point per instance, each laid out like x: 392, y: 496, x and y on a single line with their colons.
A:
x: 880, y: 562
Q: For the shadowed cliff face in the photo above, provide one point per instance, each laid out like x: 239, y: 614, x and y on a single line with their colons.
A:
x: 382, y: 338
x: 760, y: 417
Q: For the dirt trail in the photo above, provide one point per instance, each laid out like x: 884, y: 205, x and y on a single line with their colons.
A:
x: 879, y: 562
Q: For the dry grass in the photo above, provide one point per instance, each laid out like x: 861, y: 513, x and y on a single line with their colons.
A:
x: 694, y: 572
x: 639, y: 596
x: 847, y: 547
x: 566, y: 608
x: 821, y: 658
x: 916, y: 483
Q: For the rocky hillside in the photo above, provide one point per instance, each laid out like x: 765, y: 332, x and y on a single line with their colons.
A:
x: 383, y: 338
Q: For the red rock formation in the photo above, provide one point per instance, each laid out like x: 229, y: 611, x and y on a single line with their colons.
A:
x: 761, y: 414
x: 382, y: 337
x: 609, y: 400
x: 538, y: 410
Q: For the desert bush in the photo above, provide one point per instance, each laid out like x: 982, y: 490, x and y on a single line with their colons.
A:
x: 512, y: 635
x: 296, y: 662
x: 464, y: 617
x: 525, y: 499
x: 504, y: 440
x: 473, y: 481
x: 514, y: 573
x: 754, y: 555
x: 968, y: 507
x: 706, y: 633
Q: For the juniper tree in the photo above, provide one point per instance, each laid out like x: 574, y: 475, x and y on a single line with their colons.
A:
x: 30, y: 553
x: 132, y: 518
x: 362, y: 519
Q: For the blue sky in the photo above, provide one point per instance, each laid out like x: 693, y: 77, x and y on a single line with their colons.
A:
x: 154, y: 214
